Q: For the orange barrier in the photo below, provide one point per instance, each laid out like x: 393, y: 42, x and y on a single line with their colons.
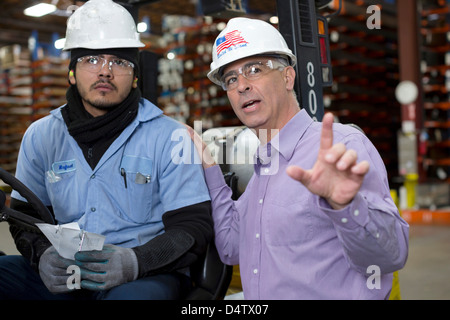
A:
x: 425, y: 216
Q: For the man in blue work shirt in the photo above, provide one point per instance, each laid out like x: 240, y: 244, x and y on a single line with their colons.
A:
x: 105, y: 160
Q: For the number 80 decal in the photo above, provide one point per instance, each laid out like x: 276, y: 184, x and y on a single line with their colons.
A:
x: 312, y: 94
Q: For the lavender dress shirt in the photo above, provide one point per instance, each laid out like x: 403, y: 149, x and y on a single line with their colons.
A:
x: 289, y: 243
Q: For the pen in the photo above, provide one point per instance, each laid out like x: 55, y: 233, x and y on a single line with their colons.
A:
x: 124, y: 175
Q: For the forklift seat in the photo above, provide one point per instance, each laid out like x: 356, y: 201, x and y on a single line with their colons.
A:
x: 211, y: 277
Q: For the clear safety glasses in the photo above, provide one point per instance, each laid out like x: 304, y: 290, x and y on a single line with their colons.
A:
x: 119, y: 67
x: 250, y: 71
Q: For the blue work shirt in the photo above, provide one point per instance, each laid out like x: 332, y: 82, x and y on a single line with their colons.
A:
x: 153, y: 154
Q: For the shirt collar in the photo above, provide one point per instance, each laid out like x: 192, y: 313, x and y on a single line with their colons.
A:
x: 286, y: 140
x: 147, y: 111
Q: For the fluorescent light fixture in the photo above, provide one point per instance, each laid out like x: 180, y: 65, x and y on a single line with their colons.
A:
x: 40, y: 10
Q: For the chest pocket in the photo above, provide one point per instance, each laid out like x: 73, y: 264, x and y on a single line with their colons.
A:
x: 137, y: 175
x: 288, y: 215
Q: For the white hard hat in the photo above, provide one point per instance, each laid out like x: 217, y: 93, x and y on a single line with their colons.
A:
x: 244, y: 37
x: 101, y: 24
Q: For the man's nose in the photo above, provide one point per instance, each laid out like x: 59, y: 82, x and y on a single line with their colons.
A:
x: 105, y: 70
x: 243, y: 83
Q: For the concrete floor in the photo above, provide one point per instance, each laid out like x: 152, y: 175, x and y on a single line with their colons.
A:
x: 6, y: 241
x: 426, y: 275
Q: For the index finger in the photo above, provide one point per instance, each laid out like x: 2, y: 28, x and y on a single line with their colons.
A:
x: 326, y: 138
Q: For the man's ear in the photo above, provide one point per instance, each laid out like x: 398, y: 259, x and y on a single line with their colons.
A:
x: 72, y: 79
x: 289, y: 77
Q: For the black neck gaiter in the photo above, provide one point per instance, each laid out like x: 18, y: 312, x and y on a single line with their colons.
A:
x: 94, y: 135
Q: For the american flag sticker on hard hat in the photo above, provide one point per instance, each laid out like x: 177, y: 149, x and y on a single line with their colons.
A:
x: 230, y: 39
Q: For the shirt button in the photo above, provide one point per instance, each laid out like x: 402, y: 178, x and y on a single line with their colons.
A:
x: 257, y: 236
x: 344, y: 220
x: 255, y: 271
x: 93, y: 176
x: 93, y: 209
x: 266, y: 170
x: 260, y: 200
x: 356, y: 213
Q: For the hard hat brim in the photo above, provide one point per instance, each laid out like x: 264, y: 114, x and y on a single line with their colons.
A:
x: 114, y: 43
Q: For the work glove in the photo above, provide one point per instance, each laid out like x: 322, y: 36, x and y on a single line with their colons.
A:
x: 110, y: 267
x: 53, y: 271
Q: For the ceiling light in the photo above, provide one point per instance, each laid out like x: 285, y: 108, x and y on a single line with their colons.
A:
x: 273, y: 20
x: 142, y: 27
x: 171, y: 55
x: 40, y: 10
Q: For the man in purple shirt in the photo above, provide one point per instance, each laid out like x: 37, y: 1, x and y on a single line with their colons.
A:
x: 316, y: 220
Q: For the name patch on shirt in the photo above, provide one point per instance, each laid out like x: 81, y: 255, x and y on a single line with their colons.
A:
x: 64, y: 166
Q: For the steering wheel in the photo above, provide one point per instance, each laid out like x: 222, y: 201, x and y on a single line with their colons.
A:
x: 20, y: 217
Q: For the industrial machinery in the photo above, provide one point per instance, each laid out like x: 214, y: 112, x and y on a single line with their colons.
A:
x: 306, y: 33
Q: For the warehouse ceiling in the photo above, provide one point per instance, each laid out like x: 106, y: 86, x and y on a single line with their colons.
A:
x: 16, y: 28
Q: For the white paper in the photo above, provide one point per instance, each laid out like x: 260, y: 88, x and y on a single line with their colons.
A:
x: 68, y: 238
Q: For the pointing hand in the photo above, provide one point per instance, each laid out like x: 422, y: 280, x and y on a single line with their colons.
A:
x: 336, y: 176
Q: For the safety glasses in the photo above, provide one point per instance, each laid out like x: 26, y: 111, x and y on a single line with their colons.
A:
x: 250, y: 71
x: 119, y: 67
